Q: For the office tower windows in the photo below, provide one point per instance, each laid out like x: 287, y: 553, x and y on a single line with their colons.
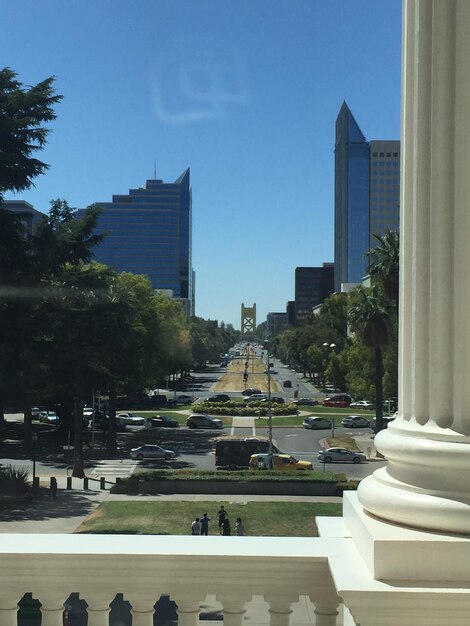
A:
x: 367, y: 188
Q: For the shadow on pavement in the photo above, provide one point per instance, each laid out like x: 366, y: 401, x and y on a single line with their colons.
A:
x: 44, y: 507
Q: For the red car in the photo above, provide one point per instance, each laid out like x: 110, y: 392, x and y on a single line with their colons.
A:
x: 340, y: 401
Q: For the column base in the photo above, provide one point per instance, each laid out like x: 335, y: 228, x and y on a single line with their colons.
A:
x: 425, y: 484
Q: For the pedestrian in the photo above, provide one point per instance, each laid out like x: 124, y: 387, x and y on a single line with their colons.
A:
x: 205, y: 524
x: 53, y: 485
x: 239, y: 530
x: 221, y: 515
x: 226, y: 530
x: 196, y: 527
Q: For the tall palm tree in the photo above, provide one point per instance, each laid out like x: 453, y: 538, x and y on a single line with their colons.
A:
x: 370, y: 317
x: 384, y: 262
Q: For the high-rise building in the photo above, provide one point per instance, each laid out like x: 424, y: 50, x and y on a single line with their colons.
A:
x: 367, y: 193
x: 148, y: 231
x: 276, y: 323
x: 312, y: 286
x: 25, y: 212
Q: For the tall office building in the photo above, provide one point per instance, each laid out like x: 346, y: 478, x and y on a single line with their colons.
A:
x: 25, y: 212
x: 367, y: 195
x: 312, y: 286
x: 149, y: 232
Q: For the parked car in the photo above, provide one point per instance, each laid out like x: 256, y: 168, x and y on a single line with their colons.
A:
x: 163, y: 421
x: 151, y: 451
x: 316, y: 423
x: 250, y: 391
x: 255, y: 397
x: 355, y: 421
x: 333, y: 455
x: 220, y: 397
x: 48, y: 417
x: 281, y: 462
x: 386, y: 421
x: 341, y: 400
x: 271, y: 372
x: 306, y: 401
x: 200, y: 420
x: 363, y: 404
x: 184, y: 399
x: 36, y: 410
x: 277, y: 400
x: 287, y: 384
x: 131, y: 419
x: 234, y: 452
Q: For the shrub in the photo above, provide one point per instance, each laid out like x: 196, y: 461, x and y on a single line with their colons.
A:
x: 13, y: 481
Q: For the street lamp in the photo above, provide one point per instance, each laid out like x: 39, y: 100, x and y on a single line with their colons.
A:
x: 34, y: 438
x: 270, y: 413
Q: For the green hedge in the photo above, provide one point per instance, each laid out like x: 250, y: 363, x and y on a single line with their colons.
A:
x: 129, y: 485
x: 249, y: 409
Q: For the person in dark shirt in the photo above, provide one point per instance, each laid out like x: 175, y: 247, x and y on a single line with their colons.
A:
x: 221, y: 515
x: 226, y: 530
x: 205, y: 524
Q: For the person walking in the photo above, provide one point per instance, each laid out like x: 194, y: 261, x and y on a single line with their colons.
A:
x: 221, y: 515
x: 196, y: 527
x: 205, y: 524
x: 53, y: 486
x: 239, y: 530
x: 226, y: 530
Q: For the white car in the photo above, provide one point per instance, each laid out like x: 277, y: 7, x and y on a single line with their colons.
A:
x: 132, y: 419
x: 151, y: 451
x: 340, y: 454
x: 316, y: 423
x: 362, y: 404
x: 48, y: 417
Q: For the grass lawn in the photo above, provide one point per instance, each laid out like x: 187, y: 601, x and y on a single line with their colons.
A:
x: 261, y: 519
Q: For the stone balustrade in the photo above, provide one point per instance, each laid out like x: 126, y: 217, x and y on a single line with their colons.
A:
x: 187, y: 569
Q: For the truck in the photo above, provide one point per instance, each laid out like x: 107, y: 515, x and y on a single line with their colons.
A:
x: 235, y: 452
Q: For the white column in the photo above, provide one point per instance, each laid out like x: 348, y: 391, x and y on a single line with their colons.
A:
x: 142, y: 610
x: 280, y: 608
x: 98, y: 612
x: 326, y: 613
x: 52, y: 609
x: 233, y: 607
x: 426, y: 482
x: 187, y: 608
x: 8, y: 611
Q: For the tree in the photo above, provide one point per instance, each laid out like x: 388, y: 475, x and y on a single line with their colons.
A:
x: 23, y: 113
x: 370, y: 317
x: 384, y: 263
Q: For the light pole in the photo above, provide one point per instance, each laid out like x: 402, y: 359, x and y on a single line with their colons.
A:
x: 270, y: 413
x: 34, y: 438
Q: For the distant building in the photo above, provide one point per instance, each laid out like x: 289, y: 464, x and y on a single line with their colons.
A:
x: 367, y: 195
x: 276, y: 323
x: 290, y: 312
x: 149, y: 232
x: 27, y: 214
x: 312, y: 286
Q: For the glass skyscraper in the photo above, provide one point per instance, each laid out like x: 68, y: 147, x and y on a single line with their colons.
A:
x: 367, y: 192
x: 148, y: 231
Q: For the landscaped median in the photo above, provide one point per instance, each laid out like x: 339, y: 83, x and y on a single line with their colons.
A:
x: 234, y: 483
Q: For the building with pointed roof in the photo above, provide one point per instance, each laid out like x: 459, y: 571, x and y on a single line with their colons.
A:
x: 367, y: 190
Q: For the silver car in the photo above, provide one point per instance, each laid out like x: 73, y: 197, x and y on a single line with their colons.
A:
x: 314, y: 423
x: 150, y: 451
x: 355, y: 421
x: 334, y: 455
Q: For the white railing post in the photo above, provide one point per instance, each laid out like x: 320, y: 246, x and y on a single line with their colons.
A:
x: 326, y: 613
x: 187, y: 608
x: 142, y: 611
x: 233, y: 608
x: 280, y: 608
x: 98, y: 609
x: 52, y: 609
x: 8, y: 611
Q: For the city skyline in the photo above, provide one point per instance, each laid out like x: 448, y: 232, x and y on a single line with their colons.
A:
x: 245, y: 96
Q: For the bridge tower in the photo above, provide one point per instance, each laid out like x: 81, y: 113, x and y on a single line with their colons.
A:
x: 248, y: 325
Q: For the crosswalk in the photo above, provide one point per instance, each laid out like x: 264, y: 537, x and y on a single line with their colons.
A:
x: 243, y: 422
x: 113, y: 468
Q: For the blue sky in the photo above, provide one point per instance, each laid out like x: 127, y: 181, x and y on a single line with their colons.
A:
x: 243, y: 92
